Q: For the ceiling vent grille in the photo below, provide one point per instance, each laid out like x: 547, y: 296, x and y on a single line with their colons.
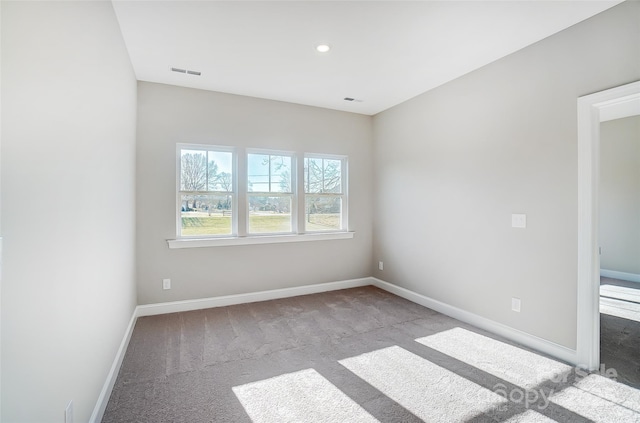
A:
x: 186, y: 71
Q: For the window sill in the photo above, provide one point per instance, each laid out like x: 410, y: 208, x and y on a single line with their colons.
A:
x: 252, y: 240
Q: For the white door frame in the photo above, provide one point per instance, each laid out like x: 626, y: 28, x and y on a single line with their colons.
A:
x: 592, y: 109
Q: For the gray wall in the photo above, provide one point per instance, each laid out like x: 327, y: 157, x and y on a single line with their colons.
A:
x: 168, y: 115
x: 456, y: 162
x: 620, y: 195
x: 68, y: 157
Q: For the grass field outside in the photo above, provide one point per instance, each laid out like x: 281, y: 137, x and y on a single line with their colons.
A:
x: 201, y: 223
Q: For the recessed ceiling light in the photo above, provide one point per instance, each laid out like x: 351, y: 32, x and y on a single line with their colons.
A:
x: 323, y: 48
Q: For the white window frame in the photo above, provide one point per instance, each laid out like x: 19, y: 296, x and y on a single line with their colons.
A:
x: 180, y: 193
x: 344, y: 208
x: 293, y: 194
x: 240, y: 201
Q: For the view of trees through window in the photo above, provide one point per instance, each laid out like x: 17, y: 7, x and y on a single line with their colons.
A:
x: 207, y: 195
x: 206, y: 189
x: 270, y: 193
x: 323, y: 193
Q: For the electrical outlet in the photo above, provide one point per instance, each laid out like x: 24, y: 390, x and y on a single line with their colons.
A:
x: 380, y: 265
x: 166, y: 284
x: 68, y: 413
x: 515, y: 304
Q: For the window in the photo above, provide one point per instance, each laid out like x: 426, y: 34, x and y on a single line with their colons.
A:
x: 274, y: 193
x: 206, y: 194
x: 270, y: 193
x: 324, y: 193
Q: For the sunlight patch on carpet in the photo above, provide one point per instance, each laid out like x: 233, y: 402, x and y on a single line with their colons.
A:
x: 303, y: 396
x: 530, y: 416
x: 620, y: 308
x: 611, y: 390
x: 621, y: 293
x: 509, y: 363
x: 429, y: 391
x: 593, y: 407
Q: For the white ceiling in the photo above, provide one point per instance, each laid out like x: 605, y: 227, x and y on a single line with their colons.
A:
x: 383, y: 52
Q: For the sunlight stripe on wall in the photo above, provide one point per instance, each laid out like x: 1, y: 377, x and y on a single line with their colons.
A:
x: 507, y: 362
x: 303, y: 396
x: 429, y: 391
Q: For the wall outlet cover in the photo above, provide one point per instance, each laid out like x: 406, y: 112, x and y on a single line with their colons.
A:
x: 518, y: 220
x: 515, y: 304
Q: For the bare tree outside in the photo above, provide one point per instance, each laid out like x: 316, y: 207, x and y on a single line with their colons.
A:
x: 194, y: 173
x: 206, y: 183
x: 323, y: 186
x: 270, y: 193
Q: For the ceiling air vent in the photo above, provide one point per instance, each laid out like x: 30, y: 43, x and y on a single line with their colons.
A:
x: 352, y: 99
x: 190, y: 72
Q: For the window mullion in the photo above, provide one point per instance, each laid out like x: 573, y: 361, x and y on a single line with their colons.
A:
x: 322, y: 190
x: 269, y: 173
x: 300, y: 189
x: 242, y: 213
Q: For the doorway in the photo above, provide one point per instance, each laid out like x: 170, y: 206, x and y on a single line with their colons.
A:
x: 610, y: 104
x: 619, y: 240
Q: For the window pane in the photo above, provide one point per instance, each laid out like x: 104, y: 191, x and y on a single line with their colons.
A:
x: 269, y: 214
x: 202, y: 170
x: 281, y: 174
x: 323, y: 213
x: 269, y: 173
x: 332, y: 176
x: 312, y: 175
x: 322, y: 175
x: 206, y: 215
x: 193, y: 170
x: 258, y: 172
x: 220, y: 171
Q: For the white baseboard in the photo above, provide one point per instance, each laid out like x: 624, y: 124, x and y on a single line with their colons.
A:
x: 528, y: 340
x: 631, y: 277
x: 105, y: 394
x: 252, y: 297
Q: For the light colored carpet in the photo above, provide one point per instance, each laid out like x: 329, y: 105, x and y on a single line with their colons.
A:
x: 594, y: 407
x: 620, y: 308
x: 515, y: 365
x: 303, y: 396
x: 530, y: 416
x: 354, y: 355
x: 620, y: 329
x: 429, y: 391
x: 621, y: 292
